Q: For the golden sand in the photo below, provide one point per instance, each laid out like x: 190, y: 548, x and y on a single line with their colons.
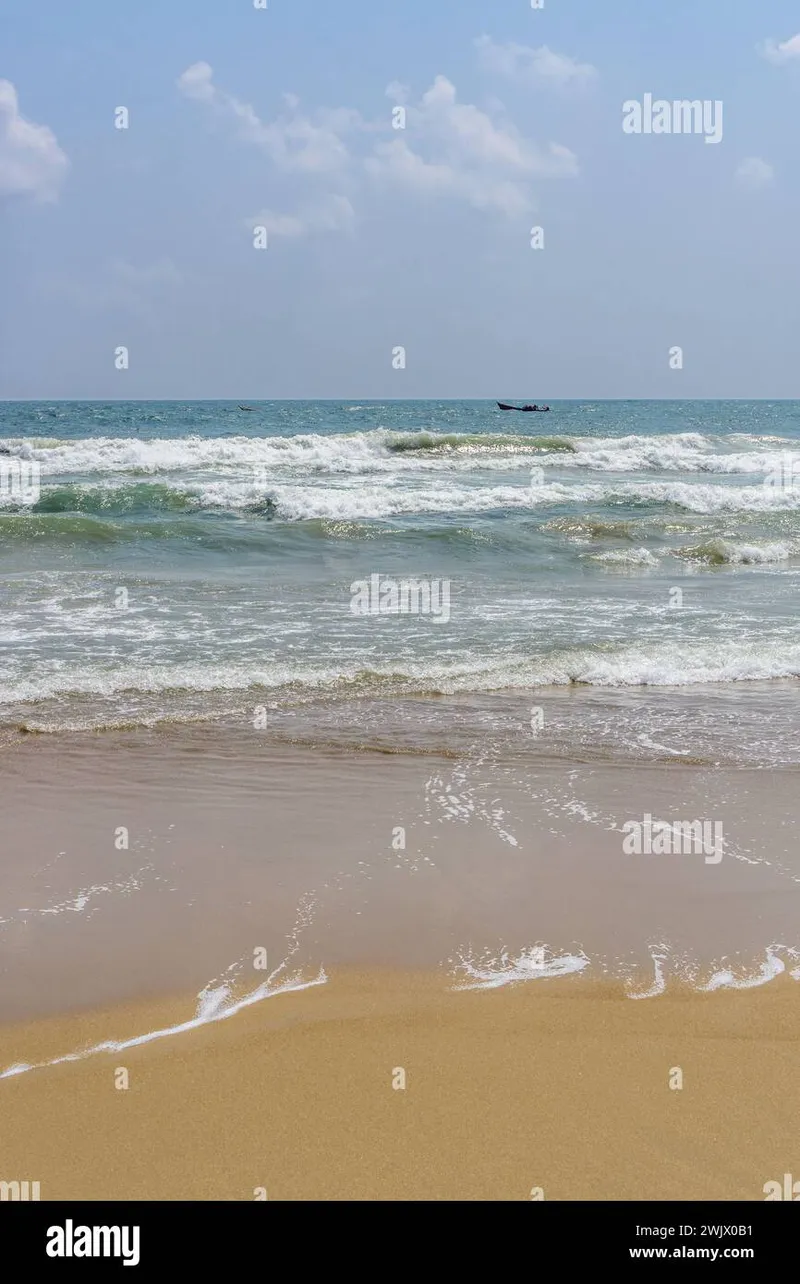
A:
x: 559, y: 1085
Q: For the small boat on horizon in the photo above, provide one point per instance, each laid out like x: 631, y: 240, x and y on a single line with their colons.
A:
x: 502, y: 405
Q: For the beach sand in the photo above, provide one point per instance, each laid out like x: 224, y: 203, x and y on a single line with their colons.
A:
x: 560, y: 1084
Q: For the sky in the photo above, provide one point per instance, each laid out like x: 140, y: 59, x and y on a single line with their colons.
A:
x: 667, y: 264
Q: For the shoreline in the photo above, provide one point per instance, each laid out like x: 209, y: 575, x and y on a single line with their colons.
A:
x: 746, y: 723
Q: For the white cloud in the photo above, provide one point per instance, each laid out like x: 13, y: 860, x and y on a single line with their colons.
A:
x: 458, y: 151
x: 461, y: 151
x: 779, y: 53
x: 196, y: 82
x: 469, y: 138
x: 397, y: 163
x: 31, y: 161
x: 541, y: 65
x: 333, y: 214
x: 293, y: 142
x: 755, y: 172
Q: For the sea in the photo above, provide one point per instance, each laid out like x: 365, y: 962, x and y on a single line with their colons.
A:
x: 613, y: 580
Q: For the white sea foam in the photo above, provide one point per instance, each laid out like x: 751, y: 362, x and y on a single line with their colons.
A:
x: 626, y: 557
x: 659, y: 957
x: 708, y: 978
x: 87, y: 895
x: 377, y: 500
x: 215, y: 1004
x: 726, y: 979
x: 663, y: 663
x: 489, y: 972
x: 384, y: 450
x: 682, y: 452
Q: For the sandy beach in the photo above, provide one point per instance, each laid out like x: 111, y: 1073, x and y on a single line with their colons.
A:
x: 328, y: 956
x: 561, y: 1087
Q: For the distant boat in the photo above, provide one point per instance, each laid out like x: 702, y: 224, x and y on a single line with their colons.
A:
x: 503, y: 406
x: 247, y: 407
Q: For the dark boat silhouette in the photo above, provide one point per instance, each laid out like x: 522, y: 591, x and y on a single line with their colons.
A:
x: 247, y: 407
x: 538, y: 409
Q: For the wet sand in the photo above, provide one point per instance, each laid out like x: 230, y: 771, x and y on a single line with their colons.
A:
x: 140, y: 866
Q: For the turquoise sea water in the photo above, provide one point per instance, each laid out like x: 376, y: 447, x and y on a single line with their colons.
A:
x: 631, y: 567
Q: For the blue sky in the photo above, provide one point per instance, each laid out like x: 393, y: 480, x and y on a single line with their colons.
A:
x: 378, y: 237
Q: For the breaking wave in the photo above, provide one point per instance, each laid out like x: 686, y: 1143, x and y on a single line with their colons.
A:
x: 382, y: 448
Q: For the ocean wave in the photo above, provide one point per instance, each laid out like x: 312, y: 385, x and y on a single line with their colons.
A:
x: 119, y: 499
x: 112, y: 499
x: 62, y: 528
x: 632, y: 557
x: 657, y: 664
x: 383, y: 449
x: 298, y: 503
x: 679, y: 452
x: 480, y: 443
x: 724, y: 552
x: 375, y: 499
x: 341, y: 452
x: 592, y: 527
x: 87, y: 528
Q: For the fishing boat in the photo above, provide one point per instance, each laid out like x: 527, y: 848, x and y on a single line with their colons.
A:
x: 502, y: 405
